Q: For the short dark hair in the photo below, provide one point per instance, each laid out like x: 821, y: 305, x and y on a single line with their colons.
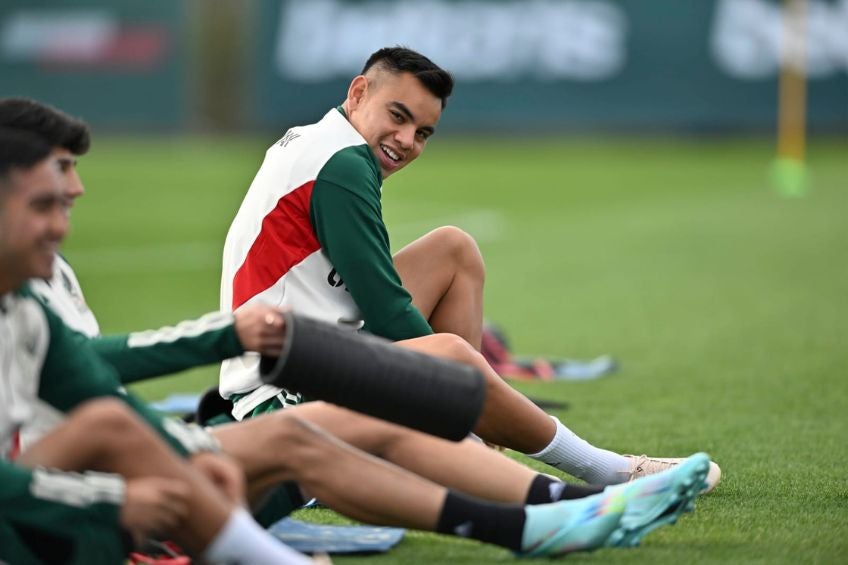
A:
x: 55, y: 127
x: 404, y: 60
x: 20, y: 149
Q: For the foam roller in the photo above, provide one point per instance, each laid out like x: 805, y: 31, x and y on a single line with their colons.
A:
x: 373, y: 376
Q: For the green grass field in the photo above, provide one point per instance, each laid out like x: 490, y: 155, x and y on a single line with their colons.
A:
x: 726, y: 304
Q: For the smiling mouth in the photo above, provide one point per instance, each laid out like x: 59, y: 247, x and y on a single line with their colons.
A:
x: 390, y: 153
x: 50, y: 248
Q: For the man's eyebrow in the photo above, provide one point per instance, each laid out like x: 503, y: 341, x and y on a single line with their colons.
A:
x: 404, y: 109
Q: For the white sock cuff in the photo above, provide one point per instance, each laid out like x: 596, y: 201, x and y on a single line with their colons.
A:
x: 242, y: 540
x: 221, y: 541
x: 570, y: 453
x: 560, y: 430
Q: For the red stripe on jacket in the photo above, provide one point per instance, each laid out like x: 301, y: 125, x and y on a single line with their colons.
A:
x: 286, y: 239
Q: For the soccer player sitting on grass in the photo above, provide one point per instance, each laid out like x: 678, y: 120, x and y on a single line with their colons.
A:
x: 103, y: 473
x: 310, y: 235
x: 282, y: 446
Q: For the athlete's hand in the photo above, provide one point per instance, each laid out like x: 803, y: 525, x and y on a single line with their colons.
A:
x: 224, y: 473
x: 260, y: 328
x: 153, y: 505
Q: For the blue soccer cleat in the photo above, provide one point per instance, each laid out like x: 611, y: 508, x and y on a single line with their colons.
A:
x: 657, y: 500
x: 566, y: 526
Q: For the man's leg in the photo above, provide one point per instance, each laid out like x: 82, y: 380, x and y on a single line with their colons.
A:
x: 283, y: 446
x: 466, y: 466
x: 292, y: 449
x: 104, y: 435
x: 511, y: 420
x: 444, y: 272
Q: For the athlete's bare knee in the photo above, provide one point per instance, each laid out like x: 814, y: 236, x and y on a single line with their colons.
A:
x: 310, y: 452
x: 455, y: 348
x: 107, y: 422
x: 453, y: 239
x: 462, y: 248
x: 301, y: 440
x: 106, y: 413
x: 285, y: 427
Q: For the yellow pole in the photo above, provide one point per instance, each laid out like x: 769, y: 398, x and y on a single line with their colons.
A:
x: 789, y: 171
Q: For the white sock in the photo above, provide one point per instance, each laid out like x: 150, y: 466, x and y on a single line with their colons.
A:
x: 574, y: 455
x: 242, y: 540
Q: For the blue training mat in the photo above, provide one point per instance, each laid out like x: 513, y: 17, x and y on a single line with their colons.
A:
x: 177, y: 403
x: 315, y: 538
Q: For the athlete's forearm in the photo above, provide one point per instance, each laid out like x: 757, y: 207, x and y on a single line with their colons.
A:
x: 144, y: 355
x: 73, y: 373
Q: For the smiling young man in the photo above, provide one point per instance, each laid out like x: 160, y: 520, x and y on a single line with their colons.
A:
x: 310, y: 235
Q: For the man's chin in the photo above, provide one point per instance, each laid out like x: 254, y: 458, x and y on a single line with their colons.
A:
x: 388, y: 172
x: 44, y: 269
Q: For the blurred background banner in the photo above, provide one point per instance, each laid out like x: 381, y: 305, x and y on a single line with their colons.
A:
x: 521, y: 65
x: 555, y: 64
x: 118, y: 63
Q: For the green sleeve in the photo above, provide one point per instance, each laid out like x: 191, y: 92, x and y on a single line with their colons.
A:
x: 74, y: 373
x: 55, y: 500
x: 347, y: 216
x: 142, y: 355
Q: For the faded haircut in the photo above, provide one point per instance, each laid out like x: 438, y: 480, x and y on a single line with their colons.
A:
x: 404, y: 60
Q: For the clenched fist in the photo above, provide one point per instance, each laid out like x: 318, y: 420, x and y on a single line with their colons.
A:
x: 260, y: 329
x: 153, y: 505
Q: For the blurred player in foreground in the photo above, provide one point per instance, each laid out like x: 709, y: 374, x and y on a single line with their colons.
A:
x: 280, y: 447
x: 310, y: 235
x: 112, y: 474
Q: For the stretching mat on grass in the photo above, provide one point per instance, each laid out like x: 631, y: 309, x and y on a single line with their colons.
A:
x: 315, y: 538
x: 178, y: 403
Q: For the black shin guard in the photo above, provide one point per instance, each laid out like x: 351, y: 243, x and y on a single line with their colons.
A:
x: 373, y: 376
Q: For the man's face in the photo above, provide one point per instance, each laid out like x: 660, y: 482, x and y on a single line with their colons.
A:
x: 395, y: 114
x: 67, y: 162
x: 33, y: 222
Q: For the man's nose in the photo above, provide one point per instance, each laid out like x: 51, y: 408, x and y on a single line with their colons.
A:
x: 74, y: 186
x: 406, y: 137
x: 60, y: 222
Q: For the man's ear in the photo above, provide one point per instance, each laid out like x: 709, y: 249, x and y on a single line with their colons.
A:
x: 356, y: 91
